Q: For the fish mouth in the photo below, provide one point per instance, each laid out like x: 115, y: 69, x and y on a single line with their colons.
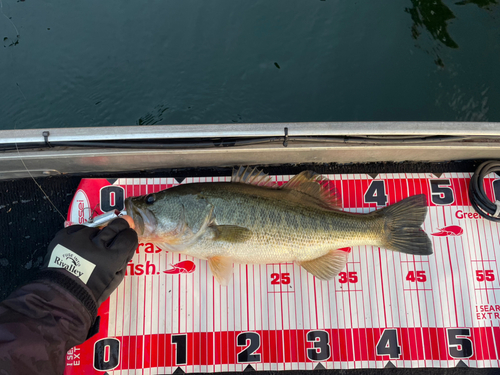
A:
x: 144, y: 220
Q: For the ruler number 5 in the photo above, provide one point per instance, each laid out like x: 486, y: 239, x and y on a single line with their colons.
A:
x: 459, y: 345
x: 441, y: 192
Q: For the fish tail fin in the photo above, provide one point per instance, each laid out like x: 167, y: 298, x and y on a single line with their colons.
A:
x: 402, y: 231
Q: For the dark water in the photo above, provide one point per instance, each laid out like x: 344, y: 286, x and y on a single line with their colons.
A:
x: 101, y: 63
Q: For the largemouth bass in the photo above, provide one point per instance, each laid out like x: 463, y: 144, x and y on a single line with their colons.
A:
x: 252, y: 220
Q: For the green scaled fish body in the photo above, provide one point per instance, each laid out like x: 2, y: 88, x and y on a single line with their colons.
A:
x: 252, y: 220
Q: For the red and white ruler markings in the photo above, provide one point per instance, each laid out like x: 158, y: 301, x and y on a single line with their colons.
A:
x: 385, y: 306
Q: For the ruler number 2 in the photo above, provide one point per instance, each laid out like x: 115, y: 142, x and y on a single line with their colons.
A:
x: 252, y: 339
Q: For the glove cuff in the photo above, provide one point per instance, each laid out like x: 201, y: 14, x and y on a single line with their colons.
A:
x: 72, y: 286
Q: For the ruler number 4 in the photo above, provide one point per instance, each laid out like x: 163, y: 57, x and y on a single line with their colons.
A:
x: 376, y: 193
x: 388, y: 344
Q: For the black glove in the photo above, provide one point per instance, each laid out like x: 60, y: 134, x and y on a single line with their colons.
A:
x: 96, y: 258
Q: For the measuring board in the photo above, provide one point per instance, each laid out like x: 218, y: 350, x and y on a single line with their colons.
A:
x: 435, y: 311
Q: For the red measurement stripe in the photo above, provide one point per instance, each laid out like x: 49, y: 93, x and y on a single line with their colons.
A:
x: 270, y: 340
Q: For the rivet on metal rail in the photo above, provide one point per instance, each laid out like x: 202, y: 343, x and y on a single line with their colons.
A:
x: 46, y: 138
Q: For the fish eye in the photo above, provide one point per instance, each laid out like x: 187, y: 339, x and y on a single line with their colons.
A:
x: 150, y: 199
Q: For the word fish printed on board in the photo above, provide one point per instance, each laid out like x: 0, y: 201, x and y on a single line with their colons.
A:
x: 384, y: 306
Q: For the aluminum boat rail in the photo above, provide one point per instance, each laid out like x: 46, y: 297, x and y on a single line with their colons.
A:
x: 130, y: 148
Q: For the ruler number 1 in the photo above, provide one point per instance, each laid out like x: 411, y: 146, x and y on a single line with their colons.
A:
x: 180, y: 342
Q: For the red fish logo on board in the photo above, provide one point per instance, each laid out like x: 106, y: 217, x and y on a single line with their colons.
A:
x: 185, y: 266
x: 346, y: 249
x: 451, y: 230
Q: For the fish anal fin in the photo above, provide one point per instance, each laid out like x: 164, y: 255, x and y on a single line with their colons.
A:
x: 327, y: 266
x: 315, y: 186
x: 231, y: 233
x: 222, y: 269
x: 252, y: 176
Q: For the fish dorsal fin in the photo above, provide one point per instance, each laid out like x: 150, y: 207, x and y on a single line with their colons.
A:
x: 252, y: 176
x: 327, y: 266
x: 314, y: 185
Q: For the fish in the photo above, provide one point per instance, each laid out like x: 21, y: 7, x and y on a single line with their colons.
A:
x: 253, y: 220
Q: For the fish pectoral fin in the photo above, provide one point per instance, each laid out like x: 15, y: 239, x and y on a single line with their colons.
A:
x: 327, y: 266
x: 222, y: 269
x: 231, y: 233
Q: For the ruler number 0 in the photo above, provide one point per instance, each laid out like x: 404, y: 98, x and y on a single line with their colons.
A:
x: 112, y: 197
x: 106, y: 354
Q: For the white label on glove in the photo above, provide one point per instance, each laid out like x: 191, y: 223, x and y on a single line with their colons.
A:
x: 63, y: 257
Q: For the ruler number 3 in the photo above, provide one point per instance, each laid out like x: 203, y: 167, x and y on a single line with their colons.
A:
x: 321, y: 345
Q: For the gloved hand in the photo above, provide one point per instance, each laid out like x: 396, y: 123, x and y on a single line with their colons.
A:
x: 97, y: 258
